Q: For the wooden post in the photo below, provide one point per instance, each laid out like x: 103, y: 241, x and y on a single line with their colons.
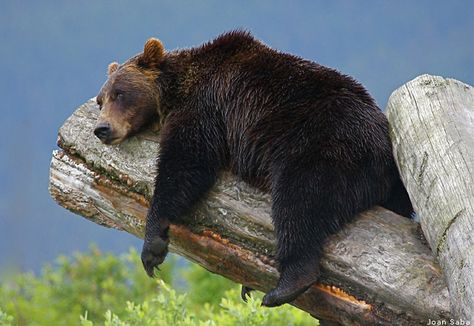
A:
x: 377, y: 270
x: 432, y: 128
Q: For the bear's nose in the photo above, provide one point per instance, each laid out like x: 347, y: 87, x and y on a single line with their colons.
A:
x: 102, y: 130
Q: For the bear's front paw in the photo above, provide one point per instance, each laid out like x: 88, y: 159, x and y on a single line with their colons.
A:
x: 153, y: 254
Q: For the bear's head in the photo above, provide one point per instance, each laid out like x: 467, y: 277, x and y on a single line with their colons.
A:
x: 129, y: 100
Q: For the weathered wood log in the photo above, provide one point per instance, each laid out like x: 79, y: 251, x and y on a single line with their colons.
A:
x: 432, y: 128
x: 377, y: 270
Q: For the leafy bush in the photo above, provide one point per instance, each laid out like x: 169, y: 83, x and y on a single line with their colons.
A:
x: 170, y: 308
x: 95, y: 288
x: 205, y: 287
x: 92, y: 282
x: 5, y: 320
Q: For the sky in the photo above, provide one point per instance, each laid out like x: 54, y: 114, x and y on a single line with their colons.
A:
x: 54, y: 56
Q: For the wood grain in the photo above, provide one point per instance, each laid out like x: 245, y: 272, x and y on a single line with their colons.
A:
x: 432, y: 128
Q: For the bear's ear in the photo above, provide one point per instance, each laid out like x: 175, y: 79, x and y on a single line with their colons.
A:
x: 153, y: 52
x: 112, y: 68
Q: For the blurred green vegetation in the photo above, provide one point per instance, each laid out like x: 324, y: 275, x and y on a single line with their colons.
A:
x: 96, y: 288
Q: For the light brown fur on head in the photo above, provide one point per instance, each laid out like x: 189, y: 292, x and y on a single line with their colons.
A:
x: 129, y: 100
x: 112, y: 68
x: 153, y: 53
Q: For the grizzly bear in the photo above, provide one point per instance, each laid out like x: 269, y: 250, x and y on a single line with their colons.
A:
x: 311, y: 136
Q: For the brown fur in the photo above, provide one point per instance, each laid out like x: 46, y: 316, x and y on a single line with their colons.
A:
x: 153, y: 53
x: 117, y: 110
x: 112, y: 68
x: 312, y: 137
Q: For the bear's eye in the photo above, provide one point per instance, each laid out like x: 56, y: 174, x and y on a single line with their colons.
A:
x: 99, y: 103
x: 119, y: 95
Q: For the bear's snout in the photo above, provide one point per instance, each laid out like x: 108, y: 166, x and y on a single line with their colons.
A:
x: 103, y: 131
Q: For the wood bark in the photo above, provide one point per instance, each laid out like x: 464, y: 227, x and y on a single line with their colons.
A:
x: 377, y: 270
x: 432, y: 128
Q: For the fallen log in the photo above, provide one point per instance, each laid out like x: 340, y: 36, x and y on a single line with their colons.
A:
x: 432, y: 130
x: 377, y: 270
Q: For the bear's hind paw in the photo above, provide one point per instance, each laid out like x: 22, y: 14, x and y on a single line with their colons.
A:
x: 245, y: 292
x: 281, y: 295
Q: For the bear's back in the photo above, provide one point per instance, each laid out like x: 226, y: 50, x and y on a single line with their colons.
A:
x: 278, y: 107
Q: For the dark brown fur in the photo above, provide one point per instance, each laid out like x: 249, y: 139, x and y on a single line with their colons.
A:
x: 311, y: 136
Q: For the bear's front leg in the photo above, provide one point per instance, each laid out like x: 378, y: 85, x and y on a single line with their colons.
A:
x: 155, y: 247
x: 190, y: 157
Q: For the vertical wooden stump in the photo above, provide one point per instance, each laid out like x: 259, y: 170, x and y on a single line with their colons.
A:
x: 432, y: 129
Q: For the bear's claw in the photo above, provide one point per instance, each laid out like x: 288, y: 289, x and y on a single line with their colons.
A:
x: 245, y: 292
x: 281, y: 295
x: 153, y: 254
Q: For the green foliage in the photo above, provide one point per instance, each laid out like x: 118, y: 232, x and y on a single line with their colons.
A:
x: 170, y: 308
x: 233, y: 311
x: 92, y: 282
x: 96, y: 288
x: 5, y: 319
x: 204, y: 287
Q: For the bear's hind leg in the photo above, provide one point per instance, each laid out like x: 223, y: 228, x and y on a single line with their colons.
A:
x: 308, y: 205
x: 399, y: 201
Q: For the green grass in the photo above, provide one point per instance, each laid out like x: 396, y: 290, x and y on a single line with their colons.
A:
x: 94, y: 288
